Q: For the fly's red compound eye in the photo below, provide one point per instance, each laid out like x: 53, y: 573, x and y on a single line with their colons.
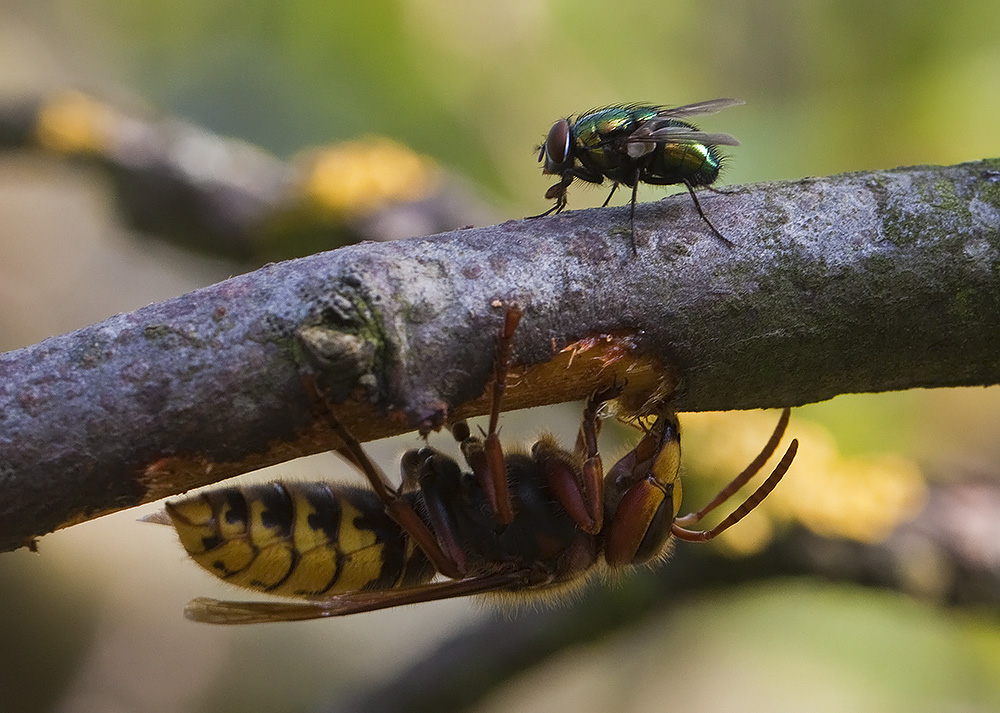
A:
x: 557, y: 143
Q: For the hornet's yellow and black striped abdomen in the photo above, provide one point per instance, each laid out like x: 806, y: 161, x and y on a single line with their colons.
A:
x: 298, y: 539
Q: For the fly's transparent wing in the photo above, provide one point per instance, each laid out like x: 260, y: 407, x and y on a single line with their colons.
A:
x: 698, y: 108
x: 649, y: 134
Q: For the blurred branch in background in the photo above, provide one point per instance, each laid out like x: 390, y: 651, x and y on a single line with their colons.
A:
x: 860, y: 282
x: 225, y: 197
x: 949, y: 553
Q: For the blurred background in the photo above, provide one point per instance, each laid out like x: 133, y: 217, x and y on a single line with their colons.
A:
x: 93, y: 621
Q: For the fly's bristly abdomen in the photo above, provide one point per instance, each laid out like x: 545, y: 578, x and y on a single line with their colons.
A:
x: 298, y: 539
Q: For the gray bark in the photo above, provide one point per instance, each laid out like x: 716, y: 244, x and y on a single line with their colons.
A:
x: 860, y: 282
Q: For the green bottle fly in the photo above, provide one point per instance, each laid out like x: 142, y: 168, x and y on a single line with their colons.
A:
x: 635, y: 143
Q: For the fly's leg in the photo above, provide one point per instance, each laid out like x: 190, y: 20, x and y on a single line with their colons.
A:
x: 485, y: 456
x: 396, y: 507
x: 608, y: 199
x: 697, y: 205
x: 653, y: 180
x: 558, y: 190
x: 631, y: 212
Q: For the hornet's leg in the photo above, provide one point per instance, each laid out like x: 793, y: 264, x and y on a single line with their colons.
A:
x: 397, y: 508
x: 439, y: 480
x: 485, y: 457
x: 584, y: 501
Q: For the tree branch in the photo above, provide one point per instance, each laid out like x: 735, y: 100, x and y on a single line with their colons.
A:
x: 223, y: 196
x: 859, y: 282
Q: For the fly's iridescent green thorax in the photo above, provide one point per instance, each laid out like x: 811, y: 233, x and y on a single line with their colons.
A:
x: 600, y: 142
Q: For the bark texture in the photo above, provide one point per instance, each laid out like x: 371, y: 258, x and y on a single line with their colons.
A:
x: 859, y: 282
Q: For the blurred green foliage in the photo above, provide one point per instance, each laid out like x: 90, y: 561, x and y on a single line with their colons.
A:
x: 830, y: 85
